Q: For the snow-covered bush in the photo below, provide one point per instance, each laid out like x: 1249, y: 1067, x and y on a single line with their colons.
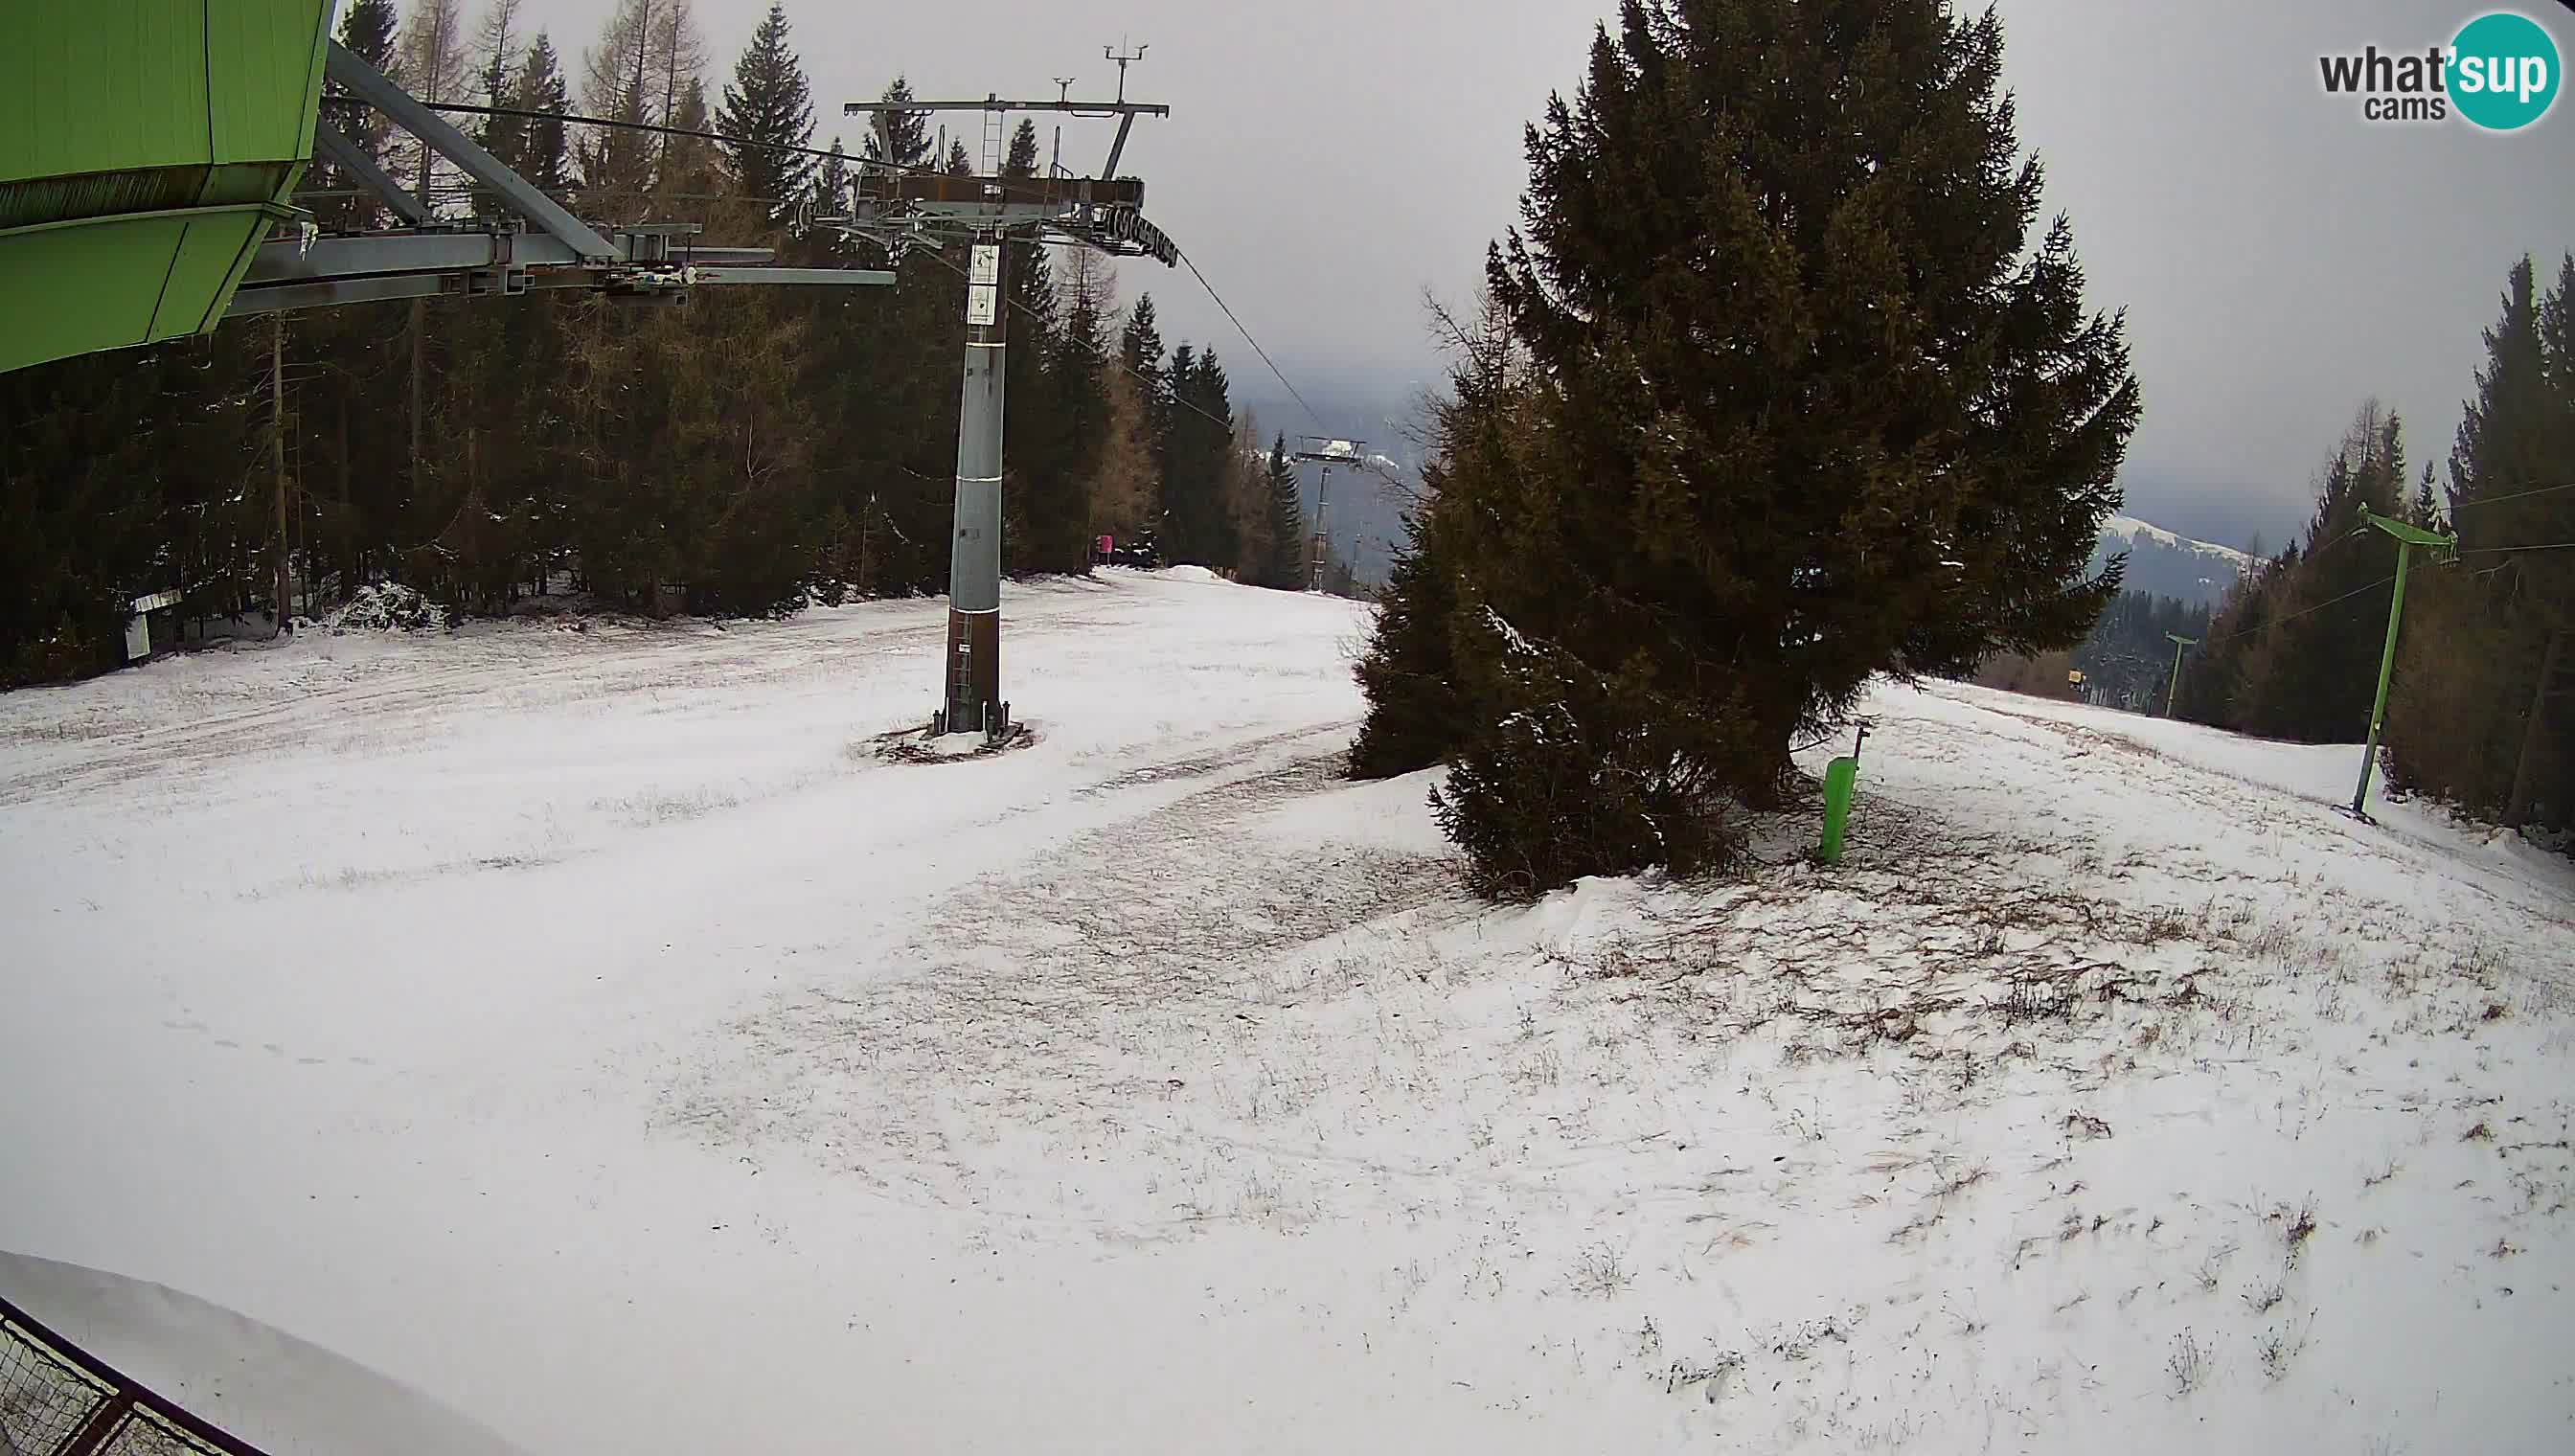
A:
x: 388, y: 606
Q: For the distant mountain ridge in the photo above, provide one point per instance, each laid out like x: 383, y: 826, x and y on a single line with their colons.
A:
x: 2170, y: 565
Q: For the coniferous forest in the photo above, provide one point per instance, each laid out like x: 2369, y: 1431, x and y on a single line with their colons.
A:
x: 752, y: 450
x: 2478, y: 711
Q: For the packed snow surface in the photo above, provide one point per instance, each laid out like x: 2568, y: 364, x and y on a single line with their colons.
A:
x: 593, y: 1031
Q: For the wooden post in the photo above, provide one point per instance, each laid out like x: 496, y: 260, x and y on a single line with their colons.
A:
x: 2517, y: 808
x: 349, y: 565
x: 419, y: 326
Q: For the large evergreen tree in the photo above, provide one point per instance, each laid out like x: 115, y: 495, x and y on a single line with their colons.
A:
x: 1876, y: 427
x: 767, y: 106
x: 1197, y: 524
x: 1815, y: 402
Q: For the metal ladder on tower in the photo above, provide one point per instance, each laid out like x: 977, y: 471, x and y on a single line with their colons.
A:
x: 961, y: 690
x: 995, y: 139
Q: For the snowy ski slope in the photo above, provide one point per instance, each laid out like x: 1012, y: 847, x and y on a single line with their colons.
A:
x: 588, y: 1030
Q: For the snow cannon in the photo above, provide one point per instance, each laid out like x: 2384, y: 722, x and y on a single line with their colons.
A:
x: 1841, y: 779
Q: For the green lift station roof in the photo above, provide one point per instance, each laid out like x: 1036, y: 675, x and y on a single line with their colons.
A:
x: 146, y: 147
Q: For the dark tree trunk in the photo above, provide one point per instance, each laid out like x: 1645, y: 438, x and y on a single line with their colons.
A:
x: 2517, y: 808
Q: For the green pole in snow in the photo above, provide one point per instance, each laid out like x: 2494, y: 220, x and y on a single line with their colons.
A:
x: 2172, y: 697
x: 2407, y: 538
x: 1841, y: 779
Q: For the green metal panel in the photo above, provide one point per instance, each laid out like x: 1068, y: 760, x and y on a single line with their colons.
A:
x: 1842, y: 777
x: 86, y: 273
x: 214, y: 250
x: 145, y: 146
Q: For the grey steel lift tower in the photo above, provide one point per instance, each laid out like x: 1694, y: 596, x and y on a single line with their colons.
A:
x: 1346, y: 454
x: 904, y: 208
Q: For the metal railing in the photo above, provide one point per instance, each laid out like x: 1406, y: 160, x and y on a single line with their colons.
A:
x: 57, y: 1399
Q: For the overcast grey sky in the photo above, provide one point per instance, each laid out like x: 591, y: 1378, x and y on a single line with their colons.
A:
x: 1329, y: 160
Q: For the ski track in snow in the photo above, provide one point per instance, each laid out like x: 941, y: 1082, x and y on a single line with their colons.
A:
x: 587, y: 1028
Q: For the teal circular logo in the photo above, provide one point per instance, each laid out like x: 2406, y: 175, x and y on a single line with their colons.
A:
x: 2503, y: 71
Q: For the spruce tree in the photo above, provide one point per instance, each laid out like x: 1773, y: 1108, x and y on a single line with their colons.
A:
x: 1286, y: 567
x: 1140, y: 341
x: 1197, y: 519
x: 959, y: 164
x: 1020, y: 163
x: 831, y: 181
x: 1077, y: 374
x: 1049, y: 499
x: 1139, y: 351
x: 1815, y: 403
x: 2543, y: 579
x: 1831, y: 407
x: 1219, y: 465
x: 1414, y: 674
x: 366, y: 28
x: 692, y: 168
x: 1408, y: 675
x: 1177, y: 519
x: 768, y: 104
x: 2498, y: 451
x: 908, y: 129
x: 545, y: 151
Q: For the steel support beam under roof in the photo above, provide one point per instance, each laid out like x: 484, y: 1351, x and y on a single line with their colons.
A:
x: 349, y: 157
x: 378, y: 90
